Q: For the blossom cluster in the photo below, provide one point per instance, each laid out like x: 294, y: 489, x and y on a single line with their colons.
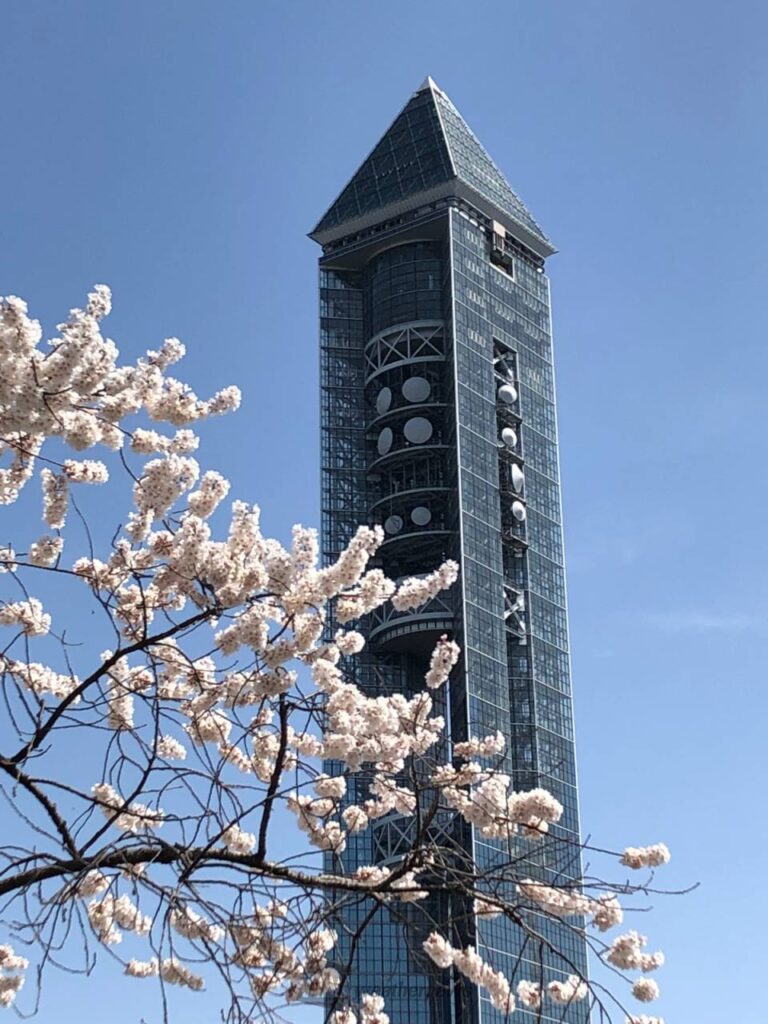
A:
x: 27, y: 615
x: 605, y: 911
x: 237, y: 840
x: 170, y: 749
x: 45, y: 550
x: 271, y: 965
x: 636, y: 857
x: 646, y: 990
x: 109, y: 914
x: 382, y: 731
x: 371, y: 1012
x: 169, y: 969
x: 192, y: 925
x: 484, y: 798
x: 299, y: 972
x: 529, y: 994
x: 77, y: 390
x: 418, y: 590
x: 40, y: 679
x: 133, y: 817
x: 444, y: 657
x: 123, y: 683
x: 469, y: 963
x: 11, y: 976
x: 626, y: 953
x: 312, y: 817
x: 489, y: 746
x: 571, y: 990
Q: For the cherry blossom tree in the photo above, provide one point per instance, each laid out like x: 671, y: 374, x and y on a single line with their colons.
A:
x: 150, y: 750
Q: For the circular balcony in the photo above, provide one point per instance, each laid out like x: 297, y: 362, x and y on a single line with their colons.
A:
x: 412, y: 343
x: 396, y: 455
x: 396, y: 415
x: 414, y: 520
x: 412, y: 632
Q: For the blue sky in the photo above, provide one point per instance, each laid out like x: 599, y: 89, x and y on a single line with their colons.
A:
x: 180, y: 151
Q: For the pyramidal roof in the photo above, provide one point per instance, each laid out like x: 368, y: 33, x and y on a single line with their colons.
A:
x: 429, y: 151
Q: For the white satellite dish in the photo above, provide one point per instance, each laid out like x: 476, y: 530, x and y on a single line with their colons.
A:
x: 518, y: 478
x: 416, y: 389
x: 394, y: 524
x: 421, y: 515
x: 509, y: 437
x: 507, y: 394
x: 385, y: 440
x: 518, y: 511
x: 418, y: 430
x: 383, y: 400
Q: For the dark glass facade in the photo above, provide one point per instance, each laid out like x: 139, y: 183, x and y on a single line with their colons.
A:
x: 410, y: 158
x: 439, y: 422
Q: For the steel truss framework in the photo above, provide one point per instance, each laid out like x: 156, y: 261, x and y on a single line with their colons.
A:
x: 406, y: 343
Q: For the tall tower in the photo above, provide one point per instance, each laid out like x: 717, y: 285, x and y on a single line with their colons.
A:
x: 439, y: 423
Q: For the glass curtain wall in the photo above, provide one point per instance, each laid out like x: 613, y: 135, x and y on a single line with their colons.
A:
x: 516, y: 658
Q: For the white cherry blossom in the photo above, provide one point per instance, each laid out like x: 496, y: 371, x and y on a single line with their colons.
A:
x: 245, y: 647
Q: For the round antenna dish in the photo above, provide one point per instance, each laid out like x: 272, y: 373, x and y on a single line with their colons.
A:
x: 518, y: 511
x: 421, y: 515
x: 509, y: 437
x: 507, y: 394
x: 416, y: 389
x: 385, y: 440
x: 518, y: 478
x: 393, y: 525
x: 418, y: 430
x: 383, y: 401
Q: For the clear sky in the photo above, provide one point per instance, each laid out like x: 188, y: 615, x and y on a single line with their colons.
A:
x: 179, y: 150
